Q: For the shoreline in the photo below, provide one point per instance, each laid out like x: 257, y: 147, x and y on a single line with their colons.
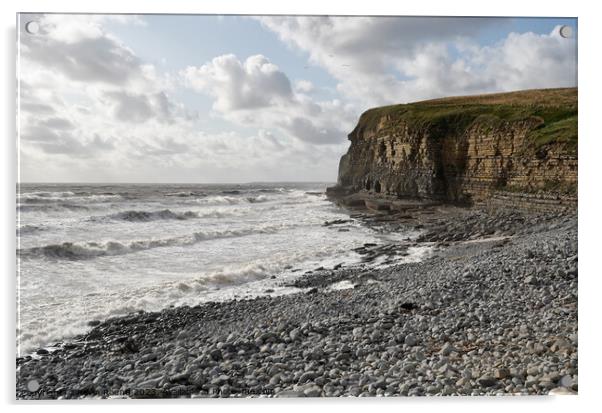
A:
x: 498, y: 292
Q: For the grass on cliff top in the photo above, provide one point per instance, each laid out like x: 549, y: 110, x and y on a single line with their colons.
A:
x: 555, y: 112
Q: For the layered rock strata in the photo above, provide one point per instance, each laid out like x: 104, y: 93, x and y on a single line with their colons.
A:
x: 515, y: 149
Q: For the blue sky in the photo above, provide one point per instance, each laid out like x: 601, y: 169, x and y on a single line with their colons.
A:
x: 176, y: 41
x: 182, y: 98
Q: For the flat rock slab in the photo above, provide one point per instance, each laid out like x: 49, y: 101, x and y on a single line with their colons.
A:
x: 377, y: 205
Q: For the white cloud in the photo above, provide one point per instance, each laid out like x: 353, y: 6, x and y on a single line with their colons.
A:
x: 92, y: 110
x: 254, y: 83
x: 380, y: 61
x: 304, y: 86
x: 257, y: 93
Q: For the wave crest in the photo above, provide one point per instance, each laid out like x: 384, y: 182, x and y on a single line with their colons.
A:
x: 87, y: 250
x: 145, y: 216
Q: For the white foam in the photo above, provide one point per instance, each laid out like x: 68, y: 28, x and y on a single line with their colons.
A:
x: 93, y: 269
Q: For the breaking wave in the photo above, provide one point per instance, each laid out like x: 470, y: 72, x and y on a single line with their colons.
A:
x: 50, y: 207
x: 146, y: 216
x: 232, y: 200
x: 257, y: 199
x: 50, y: 199
x: 48, y: 194
x: 220, y: 200
x: 88, y: 250
x: 185, y: 194
x: 29, y: 229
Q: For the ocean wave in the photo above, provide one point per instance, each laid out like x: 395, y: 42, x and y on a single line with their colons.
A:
x: 29, y: 229
x: 257, y: 199
x: 232, y: 200
x: 271, y: 190
x: 185, y: 194
x: 47, y: 199
x: 51, y: 207
x: 233, y: 275
x: 146, y: 216
x: 223, y: 212
x: 87, y: 250
x: 48, y: 194
x: 220, y: 200
x: 167, y: 214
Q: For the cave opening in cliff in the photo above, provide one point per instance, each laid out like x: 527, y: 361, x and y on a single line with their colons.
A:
x: 377, y: 187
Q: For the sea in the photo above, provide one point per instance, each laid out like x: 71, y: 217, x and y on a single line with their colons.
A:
x: 89, y: 252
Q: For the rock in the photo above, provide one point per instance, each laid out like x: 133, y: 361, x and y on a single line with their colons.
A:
x: 501, y: 374
x: 93, y: 323
x: 410, y: 340
x: 290, y: 393
x: 220, y: 380
x: 294, y: 334
x: 531, y: 280
x: 408, y: 305
x: 447, y: 349
x: 561, y: 391
x: 487, y: 381
x: 307, y: 376
x: 42, y: 352
x: 560, y: 345
x: 149, y: 384
x: 313, y: 391
x: 566, y: 381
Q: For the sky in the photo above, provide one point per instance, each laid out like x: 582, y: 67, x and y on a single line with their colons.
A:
x: 216, y: 99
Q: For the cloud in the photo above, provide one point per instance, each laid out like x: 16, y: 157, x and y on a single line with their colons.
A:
x: 254, y: 83
x: 257, y: 93
x: 304, y: 86
x: 134, y: 107
x: 85, y: 95
x: 78, y: 48
x: 384, y: 60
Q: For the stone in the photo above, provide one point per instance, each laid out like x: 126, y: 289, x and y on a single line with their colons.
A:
x: 566, y: 381
x: 220, y: 380
x: 410, y: 340
x: 561, y: 391
x: 313, y: 391
x: 216, y: 354
x: 307, y: 376
x: 290, y: 393
x: 502, y: 373
x: 487, y: 381
x: 294, y: 334
x: 560, y: 345
x: 447, y: 349
x: 531, y: 280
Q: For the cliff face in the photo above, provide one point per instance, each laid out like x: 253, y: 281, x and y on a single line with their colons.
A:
x: 520, y: 145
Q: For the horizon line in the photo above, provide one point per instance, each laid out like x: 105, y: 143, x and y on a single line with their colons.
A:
x: 173, y: 183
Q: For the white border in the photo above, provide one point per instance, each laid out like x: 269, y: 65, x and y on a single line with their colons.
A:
x: 590, y: 367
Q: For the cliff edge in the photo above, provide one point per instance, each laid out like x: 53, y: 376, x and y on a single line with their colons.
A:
x: 511, y: 149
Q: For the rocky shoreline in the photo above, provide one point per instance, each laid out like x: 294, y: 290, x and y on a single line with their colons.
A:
x: 492, y: 311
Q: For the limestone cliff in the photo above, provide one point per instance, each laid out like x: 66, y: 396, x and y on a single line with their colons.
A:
x: 520, y: 145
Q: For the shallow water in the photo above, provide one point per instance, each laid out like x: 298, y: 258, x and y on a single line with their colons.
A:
x: 88, y: 252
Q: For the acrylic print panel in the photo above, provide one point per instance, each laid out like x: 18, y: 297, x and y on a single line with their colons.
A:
x: 311, y: 206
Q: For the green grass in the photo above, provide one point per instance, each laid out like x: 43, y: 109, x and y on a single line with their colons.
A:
x: 563, y: 130
x: 553, y: 112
